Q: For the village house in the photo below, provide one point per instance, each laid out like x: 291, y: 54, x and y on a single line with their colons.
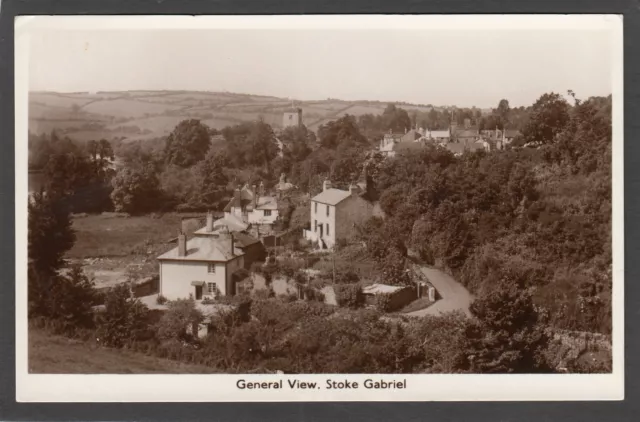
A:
x: 391, y: 143
x: 253, y: 206
x: 335, y: 213
x: 251, y: 247
x: 200, y: 267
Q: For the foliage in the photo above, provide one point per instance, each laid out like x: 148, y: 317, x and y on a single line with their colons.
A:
x: 175, y: 323
x: 383, y: 302
x: 136, y: 190
x: 549, y: 115
x: 161, y: 300
x: 124, y: 319
x: 349, y: 295
x: 187, y: 144
x: 509, y: 332
x: 50, y: 233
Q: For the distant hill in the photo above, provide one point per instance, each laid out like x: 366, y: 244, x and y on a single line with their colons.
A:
x: 137, y: 115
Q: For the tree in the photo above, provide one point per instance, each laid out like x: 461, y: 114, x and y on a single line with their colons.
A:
x: 263, y: 145
x: 187, y: 144
x: 212, y: 189
x: 50, y: 233
x: 135, y: 190
x: 548, y: 117
x: 341, y: 131
x: 179, y: 321
x: 503, y: 111
x: 509, y: 332
x: 396, y: 119
x: 124, y: 319
x: 71, y: 299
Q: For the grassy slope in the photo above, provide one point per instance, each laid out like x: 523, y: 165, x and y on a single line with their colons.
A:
x: 147, y: 110
x: 60, y: 355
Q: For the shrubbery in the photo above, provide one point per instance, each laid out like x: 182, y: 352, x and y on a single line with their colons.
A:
x: 349, y: 295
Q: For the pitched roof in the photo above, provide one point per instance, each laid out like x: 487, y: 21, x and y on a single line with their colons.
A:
x: 267, y: 203
x: 376, y: 289
x: 466, y: 133
x: 243, y: 240
x: 410, y: 136
x: 332, y: 196
x: 439, y: 134
x: 205, y: 248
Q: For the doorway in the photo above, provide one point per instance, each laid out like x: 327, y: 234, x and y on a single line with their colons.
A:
x: 198, y: 292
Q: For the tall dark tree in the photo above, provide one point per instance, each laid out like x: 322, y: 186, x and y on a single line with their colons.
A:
x: 509, y: 334
x: 135, y: 190
x: 213, y: 181
x: 549, y: 115
x: 396, y: 119
x: 188, y: 143
x: 50, y: 233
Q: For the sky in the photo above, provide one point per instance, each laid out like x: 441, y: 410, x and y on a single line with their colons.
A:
x: 462, y: 67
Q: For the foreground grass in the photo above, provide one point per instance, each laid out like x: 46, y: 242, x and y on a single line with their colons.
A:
x: 49, y: 354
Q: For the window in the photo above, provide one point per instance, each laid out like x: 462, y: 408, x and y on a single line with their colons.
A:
x: 316, y: 208
x: 267, y: 213
x: 327, y: 210
x: 211, y: 268
x: 211, y: 288
x: 315, y: 225
x: 327, y: 229
x: 290, y: 116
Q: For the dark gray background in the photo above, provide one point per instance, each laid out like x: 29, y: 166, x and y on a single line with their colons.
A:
x: 627, y: 410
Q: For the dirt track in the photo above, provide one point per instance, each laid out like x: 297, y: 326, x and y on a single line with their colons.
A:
x: 454, y: 296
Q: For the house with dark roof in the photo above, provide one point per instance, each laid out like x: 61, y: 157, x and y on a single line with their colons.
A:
x: 201, y: 267
x: 252, y: 206
x: 251, y: 247
x: 335, y: 213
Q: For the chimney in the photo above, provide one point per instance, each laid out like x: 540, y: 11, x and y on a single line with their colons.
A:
x: 182, y: 244
x: 326, y: 185
x: 233, y: 244
x: 353, y: 190
x: 255, y: 195
x: 261, y: 188
x: 209, y: 221
x: 282, y: 179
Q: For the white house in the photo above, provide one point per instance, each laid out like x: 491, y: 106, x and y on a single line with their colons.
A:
x: 335, y: 213
x: 253, y: 206
x: 201, y: 267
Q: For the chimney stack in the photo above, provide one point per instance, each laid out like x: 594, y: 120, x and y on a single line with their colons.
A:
x: 261, y: 188
x: 209, y: 221
x: 182, y: 244
x: 326, y: 185
x: 255, y: 195
x: 353, y: 190
x: 233, y: 241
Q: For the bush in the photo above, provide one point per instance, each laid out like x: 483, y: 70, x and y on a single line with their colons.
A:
x: 124, y: 319
x: 176, y: 323
x: 161, y: 300
x: 349, y: 295
x: 383, y: 302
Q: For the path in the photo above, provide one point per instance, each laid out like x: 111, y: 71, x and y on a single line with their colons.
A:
x: 454, y: 296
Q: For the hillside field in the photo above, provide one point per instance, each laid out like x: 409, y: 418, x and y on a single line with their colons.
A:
x: 140, y: 115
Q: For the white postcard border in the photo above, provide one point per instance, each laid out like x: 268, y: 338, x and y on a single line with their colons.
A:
x: 223, y: 388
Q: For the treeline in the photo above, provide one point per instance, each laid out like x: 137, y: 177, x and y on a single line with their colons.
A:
x: 537, y: 219
x: 77, y: 174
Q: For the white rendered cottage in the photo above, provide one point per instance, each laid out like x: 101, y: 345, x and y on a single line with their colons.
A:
x: 201, y: 267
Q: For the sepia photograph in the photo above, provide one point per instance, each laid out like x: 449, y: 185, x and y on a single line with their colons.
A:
x: 304, y: 208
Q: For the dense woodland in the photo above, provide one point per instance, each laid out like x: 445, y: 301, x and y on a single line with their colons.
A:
x: 527, y: 230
